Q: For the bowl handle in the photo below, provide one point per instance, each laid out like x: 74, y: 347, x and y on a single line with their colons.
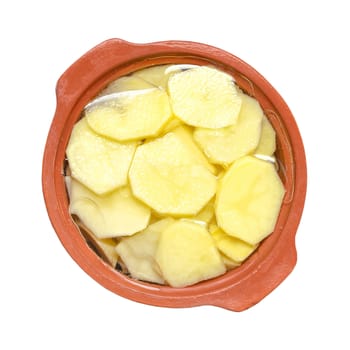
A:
x: 83, y: 72
x: 261, y: 281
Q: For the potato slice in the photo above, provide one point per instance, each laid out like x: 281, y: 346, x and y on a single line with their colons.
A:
x: 126, y: 83
x: 104, y: 247
x: 206, y: 214
x: 155, y: 75
x: 169, y: 176
x: 138, y: 252
x: 229, y: 263
x: 186, y: 254
x: 232, y: 247
x: 184, y: 134
x: 267, y: 142
x: 249, y: 199
x: 223, y: 146
x: 130, y: 115
x: 159, y: 75
x: 99, y: 163
x: 204, y: 97
x: 171, y: 125
x: 115, y: 214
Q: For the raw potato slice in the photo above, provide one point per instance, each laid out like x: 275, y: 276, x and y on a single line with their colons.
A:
x: 206, y: 214
x: 249, y: 199
x: 186, y: 254
x: 176, y: 68
x: 154, y: 75
x: 130, y: 115
x: 204, y: 97
x: 168, y: 176
x: 115, y: 214
x: 184, y: 134
x: 99, y: 163
x: 126, y: 83
x: 105, y: 247
x: 172, y: 124
x: 229, y: 263
x: 159, y: 75
x: 138, y: 252
x: 223, y: 146
x: 267, y: 143
x: 232, y: 247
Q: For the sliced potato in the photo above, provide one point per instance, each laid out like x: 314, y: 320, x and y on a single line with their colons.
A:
x: 171, y: 125
x: 185, y: 136
x: 186, y: 254
x: 115, y: 214
x: 105, y: 247
x: 229, y: 263
x: 130, y: 115
x: 160, y: 74
x: 126, y: 83
x: 204, y: 97
x: 223, y: 146
x: 249, y: 199
x: 99, y: 163
x: 138, y: 252
x: 169, y: 176
x: 206, y: 214
x: 267, y: 142
x: 232, y: 247
x: 155, y: 75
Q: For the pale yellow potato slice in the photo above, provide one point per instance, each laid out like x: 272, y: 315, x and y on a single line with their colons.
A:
x: 185, y: 135
x: 206, y: 214
x: 229, y: 263
x: 117, y: 213
x: 172, y: 124
x: 267, y: 142
x: 105, y: 247
x: 130, y: 115
x: 99, y: 163
x: 155, y: 75
x: 126, y: 83
x: 138, y: 252
x: 186, y: 254
x: 249, y: 199
x: 159, y: 75
x: 232, y: 247
x: 168, y: 176
x: 204, y: 97
x: 223, y: 146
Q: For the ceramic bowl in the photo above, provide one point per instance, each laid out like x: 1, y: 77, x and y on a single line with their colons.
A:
x: 276, y: 256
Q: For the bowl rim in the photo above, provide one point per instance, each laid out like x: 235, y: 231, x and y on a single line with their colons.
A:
x: 236, y: 290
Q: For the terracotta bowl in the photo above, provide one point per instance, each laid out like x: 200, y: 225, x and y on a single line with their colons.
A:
x: 275, y: 258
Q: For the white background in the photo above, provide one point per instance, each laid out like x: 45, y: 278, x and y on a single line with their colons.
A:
x: 301, y: 47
